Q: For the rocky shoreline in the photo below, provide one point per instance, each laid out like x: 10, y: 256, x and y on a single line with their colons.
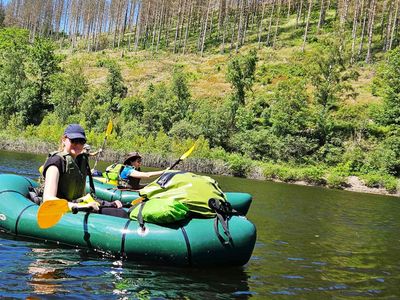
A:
x: 354, y: 184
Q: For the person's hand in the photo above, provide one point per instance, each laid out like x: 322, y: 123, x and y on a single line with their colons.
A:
x: 117, y: 203
x: 94, y: 205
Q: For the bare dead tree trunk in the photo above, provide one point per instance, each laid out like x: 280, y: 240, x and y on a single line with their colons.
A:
x: 277, y: 23
x: 363, y: 27
x: 386, y: 39
x: 321, y: 19
x: 260, y: 27
x: 307, y: 24
x: 370, y: 34
x: 383, y: 17
x: 188, y: 26
x: 160, y: 25
x: 224, y: 29
x: 210, y: 30
x: 354, y: 31
x: 299, y: 11
x: 178, y: 21
x: 396, y: 15
x: 246, y: 16
x: 233, y: 24
x: 239, y: 33
x: 138, y: 26
x: 205, y: 28
x: 270, y: 22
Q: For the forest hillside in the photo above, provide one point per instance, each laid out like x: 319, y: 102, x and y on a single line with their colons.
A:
x: 276, y: 89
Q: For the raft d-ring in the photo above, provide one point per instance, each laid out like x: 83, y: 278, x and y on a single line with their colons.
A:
x: 3, y: 217
x: 142, y: 231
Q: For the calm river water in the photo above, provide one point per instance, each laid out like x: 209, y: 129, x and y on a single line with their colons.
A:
x: 312, y: 243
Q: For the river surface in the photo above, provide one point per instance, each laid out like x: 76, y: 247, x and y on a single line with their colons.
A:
x: 312, y: 243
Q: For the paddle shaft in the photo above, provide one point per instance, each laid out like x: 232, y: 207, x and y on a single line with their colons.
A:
x: 76, y: 209
x: 98, y: 155
x: 108, y: 132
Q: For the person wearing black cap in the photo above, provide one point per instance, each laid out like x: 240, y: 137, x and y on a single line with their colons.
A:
x: 131, y: 173
x: 65, y: 170
x: 87, y: 149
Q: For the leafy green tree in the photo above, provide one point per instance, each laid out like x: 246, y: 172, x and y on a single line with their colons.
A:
x: 259, y: 144
x: 25, y: 75
x: 68, y: 90
x: 291, y: 121
x: 184, y: 129
x: 241, y: 74
x: 385, y: 158
x: 13, y: 49
x: 178, y: 106
x: 41, y: 64
x: 12, y: 79
x: 115, y: 82
x: 132, y: 108
x: 213, y: 122
x: 155, y: 115
x: 330, y: 79
x: 388, y: 76
x: 289, y: 111
x: 2, y: 16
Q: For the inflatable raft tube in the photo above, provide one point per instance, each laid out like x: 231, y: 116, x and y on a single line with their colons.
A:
x: 192, y: 243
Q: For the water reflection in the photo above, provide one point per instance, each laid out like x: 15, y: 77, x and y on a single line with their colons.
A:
x: 312, y: 243
x: 45, y: 272
x: 142, y: 281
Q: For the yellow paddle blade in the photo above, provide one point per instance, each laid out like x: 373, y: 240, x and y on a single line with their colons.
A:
x: 50, y: 212
x: 187, y: 153
x: 137, y: 200
x: 109, y: 128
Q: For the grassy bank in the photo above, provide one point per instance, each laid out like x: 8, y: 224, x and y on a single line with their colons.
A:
x: 337, y: 178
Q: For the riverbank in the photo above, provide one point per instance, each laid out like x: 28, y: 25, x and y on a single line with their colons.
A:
x: 199, y: 165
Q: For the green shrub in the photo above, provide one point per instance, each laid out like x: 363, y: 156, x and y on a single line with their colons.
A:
x: 288, y: 174
x: 391, y: 184
x: 239, y: 165
x: 377, y: 180
x: 372, y: 180
x: 270, y: 170
x: 313, y: 174
x: 335, y: 179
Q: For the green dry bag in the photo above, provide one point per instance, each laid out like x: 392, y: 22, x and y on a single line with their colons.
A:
x: 174, y: 194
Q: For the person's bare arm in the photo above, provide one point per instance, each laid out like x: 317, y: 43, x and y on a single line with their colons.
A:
x: 51, y: 183
x: 138, y: 174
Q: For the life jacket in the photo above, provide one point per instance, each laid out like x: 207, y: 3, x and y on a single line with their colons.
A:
x: 131, y: 182
x: 112, y: 172
x: 72, y: 181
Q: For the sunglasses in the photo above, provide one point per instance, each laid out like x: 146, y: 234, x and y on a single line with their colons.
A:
x: 138, y: 160
x: 78, y: 141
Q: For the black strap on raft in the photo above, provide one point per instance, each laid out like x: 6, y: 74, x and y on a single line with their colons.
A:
x: 91, y: 184
x: 140, y: 216
x: 140, y: 213
x: 35, y: 194
x: 224, y: 211
x: 166, y: 177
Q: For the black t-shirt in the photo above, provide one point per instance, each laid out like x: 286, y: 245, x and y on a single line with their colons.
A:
x: 54, y: 160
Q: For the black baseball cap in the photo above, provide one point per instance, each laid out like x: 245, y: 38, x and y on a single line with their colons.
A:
x: 75, y: 131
